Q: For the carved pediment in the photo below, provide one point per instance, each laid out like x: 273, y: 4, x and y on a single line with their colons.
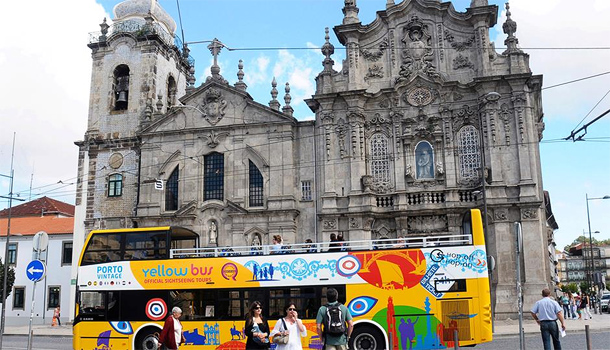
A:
x: 213, y: 106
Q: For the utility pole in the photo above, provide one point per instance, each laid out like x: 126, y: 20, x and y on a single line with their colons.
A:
x: 8, y: 236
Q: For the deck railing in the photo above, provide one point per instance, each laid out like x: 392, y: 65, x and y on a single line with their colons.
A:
x: 324, y: 247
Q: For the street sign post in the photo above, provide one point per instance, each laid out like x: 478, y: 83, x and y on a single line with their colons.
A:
x: 40, y: 242
x: 36, y: 270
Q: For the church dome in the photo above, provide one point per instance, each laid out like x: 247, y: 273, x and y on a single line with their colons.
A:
x: 141, y: 8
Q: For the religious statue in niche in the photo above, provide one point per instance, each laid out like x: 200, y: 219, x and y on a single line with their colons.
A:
x: 213, y: 232
x: 417, y: 55
x: 424, y: 159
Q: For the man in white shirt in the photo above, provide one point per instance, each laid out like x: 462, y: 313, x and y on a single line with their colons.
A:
x: 546, y: 311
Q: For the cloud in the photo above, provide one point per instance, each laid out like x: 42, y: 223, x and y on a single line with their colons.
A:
x: 256, y: 71
x: 46, y: 70
x: 560, y: 24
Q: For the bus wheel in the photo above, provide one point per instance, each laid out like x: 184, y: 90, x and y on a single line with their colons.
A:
x: 367, y: 338
x: 146, y: 339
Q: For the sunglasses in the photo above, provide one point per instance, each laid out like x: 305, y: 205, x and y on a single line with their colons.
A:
x: 258, y: 308
x: 292, y: 309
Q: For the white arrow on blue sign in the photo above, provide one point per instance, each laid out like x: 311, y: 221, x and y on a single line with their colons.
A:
x: 36, y: 270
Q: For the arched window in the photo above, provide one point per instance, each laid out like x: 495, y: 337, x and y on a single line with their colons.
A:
x: 121, y: 87
x: 380, y: 158
x: 171, y: 91
x: 115, y: 185
x: 469, y: 152
x: 424, y: 159
x: 256, y: 186
x: 171, y: 191
x: 214, y: 172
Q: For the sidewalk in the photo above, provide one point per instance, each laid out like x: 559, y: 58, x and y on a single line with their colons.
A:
x: 61, y: 331
x: 511, y: 327
x: 502, y: 328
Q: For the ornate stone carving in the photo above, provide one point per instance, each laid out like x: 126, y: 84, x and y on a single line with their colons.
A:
x: 375, y: 55
x: 529, y: 213
x: 420, y: 96
x: 327, y: 121
x: 330, y: 224
x: 375, y: 71
x: 354, y: 222
x: 378, y: 124
x: 505, y: 114
x: 371, y: 185
x: 458, y: 45
x: 342, y: 130
x: 519, y: 103
x: 462, y: 62
x: 213, y: 106
x: 417, y: 54
x: 213, y: 139
x: 501, y: 214
x: 427, y: 224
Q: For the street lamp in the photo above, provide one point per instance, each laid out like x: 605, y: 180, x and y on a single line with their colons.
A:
x: 592, y: 271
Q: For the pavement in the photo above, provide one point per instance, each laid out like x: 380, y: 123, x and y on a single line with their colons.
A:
x: 502, y: 328
x: 510, y: 327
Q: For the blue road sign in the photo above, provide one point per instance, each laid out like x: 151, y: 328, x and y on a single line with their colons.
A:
x: 36, y: 270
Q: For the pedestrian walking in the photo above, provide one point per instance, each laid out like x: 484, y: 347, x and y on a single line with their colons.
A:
x: 291, y: 326
x: 546, y: 312
x: 257, y: 328
x: 585, y: 302
x: 572, y: 306
x: 565, y: 303
x: 171, y: 335
x: 57, y: 315
x: 331, y: 323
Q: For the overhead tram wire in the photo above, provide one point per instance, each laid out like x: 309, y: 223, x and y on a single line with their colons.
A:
x: 471, y: 100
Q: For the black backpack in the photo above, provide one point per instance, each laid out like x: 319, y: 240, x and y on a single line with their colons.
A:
x: 335, y: 324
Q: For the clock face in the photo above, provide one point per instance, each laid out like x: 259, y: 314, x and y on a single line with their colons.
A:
x: 115, y: 161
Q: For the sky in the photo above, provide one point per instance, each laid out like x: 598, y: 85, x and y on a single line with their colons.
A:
x: 45, y: 66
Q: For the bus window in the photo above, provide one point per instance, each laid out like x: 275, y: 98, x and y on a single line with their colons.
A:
x: 145, y: 245
x: 93, y: 305
x: 103, y: 248
x: 134, y: 303
x: 182, y: 238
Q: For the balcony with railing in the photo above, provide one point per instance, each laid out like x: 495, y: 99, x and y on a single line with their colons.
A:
x: 141, y: 31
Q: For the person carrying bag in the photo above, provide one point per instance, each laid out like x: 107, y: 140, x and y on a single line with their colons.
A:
x: 288, y: 330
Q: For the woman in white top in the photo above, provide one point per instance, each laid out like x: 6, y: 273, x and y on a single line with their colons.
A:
x: 295, y: 330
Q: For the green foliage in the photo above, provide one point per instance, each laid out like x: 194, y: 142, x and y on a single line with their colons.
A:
x: 9, y: 282
x: 608, y: 285
x: 572, y: 288
x: 584, y: 287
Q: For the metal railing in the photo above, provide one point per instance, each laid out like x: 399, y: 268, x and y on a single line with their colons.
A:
x: 324, y: 247
x: 140, y: 30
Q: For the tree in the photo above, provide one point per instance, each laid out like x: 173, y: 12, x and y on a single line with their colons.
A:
x: 584, y: 287
x: 572, y: 288
x: 583, y: 239
x: 9, y: 282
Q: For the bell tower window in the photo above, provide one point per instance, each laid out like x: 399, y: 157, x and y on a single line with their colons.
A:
x: 121, y: 87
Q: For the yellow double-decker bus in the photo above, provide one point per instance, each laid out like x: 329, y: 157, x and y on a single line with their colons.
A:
x: 410, y: 293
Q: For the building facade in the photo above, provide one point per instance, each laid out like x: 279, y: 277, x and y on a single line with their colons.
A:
x: 57, y: 220
x: 424, y: 121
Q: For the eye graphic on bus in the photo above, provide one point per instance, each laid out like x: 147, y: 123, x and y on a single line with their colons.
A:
x: 361, y: 305
x: 348, y: 266
x: 156, y: 309
x: 122, y: 327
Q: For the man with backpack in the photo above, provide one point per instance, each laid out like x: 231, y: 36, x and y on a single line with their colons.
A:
x: 334, y: 316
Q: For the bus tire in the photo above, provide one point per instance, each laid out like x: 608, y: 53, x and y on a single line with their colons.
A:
x: 367, y: 338
x: 147, y: 340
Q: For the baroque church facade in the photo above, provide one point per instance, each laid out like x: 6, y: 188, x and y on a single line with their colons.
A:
x: 424, y: 121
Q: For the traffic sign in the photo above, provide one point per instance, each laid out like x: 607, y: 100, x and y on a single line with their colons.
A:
x: 36, y: 270
x: 40, y: 242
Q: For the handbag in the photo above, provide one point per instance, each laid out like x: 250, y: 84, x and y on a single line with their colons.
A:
x: 256, y: 329
x: 281, y: 339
